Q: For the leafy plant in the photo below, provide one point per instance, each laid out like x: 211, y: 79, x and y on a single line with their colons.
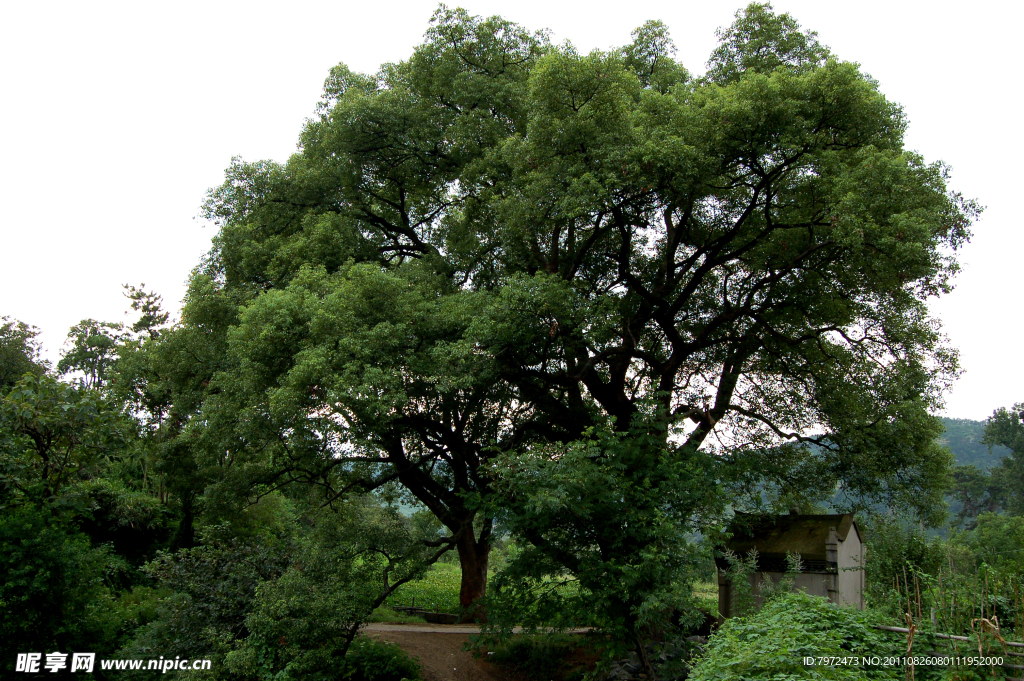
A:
x: 771, y: 645
x: 53, y: 594
x: 303, y: 624
x: 739, y: 573
x: 769, y: 589
x: 212, y: 591
x: 19, y: 352
x: 608, y: 519
x: 543, y: 657
x: 371, y: 660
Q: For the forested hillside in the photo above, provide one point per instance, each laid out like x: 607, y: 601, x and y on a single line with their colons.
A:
x: 963, y: 437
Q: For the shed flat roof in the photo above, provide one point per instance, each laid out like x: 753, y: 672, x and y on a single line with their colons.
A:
x: 774, y: 536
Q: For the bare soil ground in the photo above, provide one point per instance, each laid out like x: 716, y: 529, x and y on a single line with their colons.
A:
x: 439, y: 651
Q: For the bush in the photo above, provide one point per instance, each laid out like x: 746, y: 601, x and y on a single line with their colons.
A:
x: 52, y: 595
x: 897, y: 548
x: 372, y: 660
x: 540, y: 657
x: 365, y: 660
x: 203, y: 597
x: 134, y: 523
x: 303, y: 624
x: 771, y: 645
x: 997, y: 540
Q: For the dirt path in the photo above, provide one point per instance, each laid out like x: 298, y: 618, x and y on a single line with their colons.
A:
x: 439, y: 650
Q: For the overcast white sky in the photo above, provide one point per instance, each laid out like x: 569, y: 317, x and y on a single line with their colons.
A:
x: 115, y: 118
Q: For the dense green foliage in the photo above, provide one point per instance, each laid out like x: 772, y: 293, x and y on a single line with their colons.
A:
x: 968, y: 585
x: 89, y: 510
x: 1006, y: 429
x: 994, y: 484
x: 772, y: 644
x: 609, y: 520
x: 19, y: 352
x: 53, y: 595
x: 303, y: 623
x: 542, y: 657
x: 53, y: 435
x: 214, y: 586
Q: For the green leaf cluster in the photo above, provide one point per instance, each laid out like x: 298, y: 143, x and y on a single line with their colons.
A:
x: 54, y: 594
x: 772, y: 644
x: 610, y: 523
x: 19, y: 352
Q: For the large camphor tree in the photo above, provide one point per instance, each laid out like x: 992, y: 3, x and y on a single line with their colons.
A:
x: 502, y: 257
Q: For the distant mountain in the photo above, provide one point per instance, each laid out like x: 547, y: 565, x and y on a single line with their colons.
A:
x: 963, y: 437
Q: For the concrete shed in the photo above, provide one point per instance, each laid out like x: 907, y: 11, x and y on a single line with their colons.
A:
x: 830, y: 546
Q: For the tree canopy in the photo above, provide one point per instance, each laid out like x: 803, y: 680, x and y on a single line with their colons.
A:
x: 502, y: 248
x: 19, y: 352
x: 1005, y: 428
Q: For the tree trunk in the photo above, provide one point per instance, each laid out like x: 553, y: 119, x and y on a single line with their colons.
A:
x: 645, y: 659
x: 473, y: 557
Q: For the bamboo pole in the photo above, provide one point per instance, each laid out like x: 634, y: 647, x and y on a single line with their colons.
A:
x: 1020, y: 615
x: 984, y: 596
x: 916, y: 587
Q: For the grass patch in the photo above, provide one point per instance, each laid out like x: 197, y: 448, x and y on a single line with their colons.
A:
x: 706, y: 594
x: 558, y: 657
x: 386, y: 614
x: 438, y: 590
x: 706, y: 590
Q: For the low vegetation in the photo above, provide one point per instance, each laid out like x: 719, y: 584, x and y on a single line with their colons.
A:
x: 772, y: 644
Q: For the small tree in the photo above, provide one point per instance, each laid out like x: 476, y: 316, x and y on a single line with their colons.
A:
x: 1006, y: 427
x: 610, y: 516
x: 92, y: 352
x: 53, y: 435
x: 19, y: 352
x: 304, y: 623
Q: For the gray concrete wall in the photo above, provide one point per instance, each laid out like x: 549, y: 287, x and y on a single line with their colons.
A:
x: 851, y: 571
x: 813, y: 583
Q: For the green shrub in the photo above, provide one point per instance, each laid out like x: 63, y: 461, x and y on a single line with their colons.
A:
x: 539, y: 657
x: 203, y: 597
x: 897, y: 548
x: 772, y: 644
x: 997, y: 540
x: 365, y: 660
x: 372, y: 660
x: 303, y: 624
x: 52, y: 594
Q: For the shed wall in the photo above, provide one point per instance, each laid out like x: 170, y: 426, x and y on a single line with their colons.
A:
x: 851, y: 572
